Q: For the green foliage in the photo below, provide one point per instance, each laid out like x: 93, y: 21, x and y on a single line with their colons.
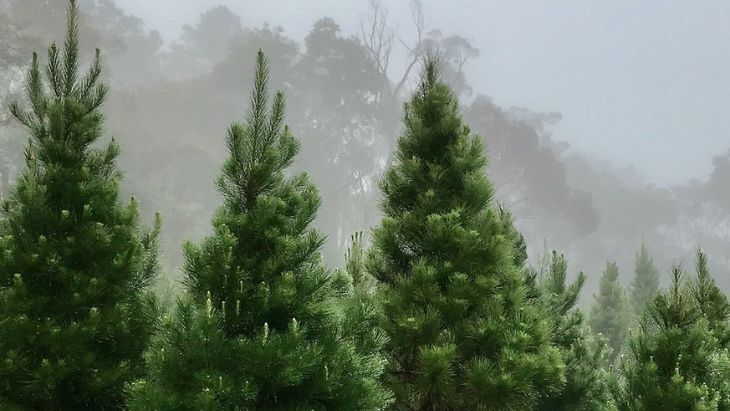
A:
x: 587, y: 383
x: 676, y: 361
x: 294, y: 337
x: 711, y: 301
x: 461, y: 333
x: 362, y: 310
x: 199, y: 365
x: 646, y: 281
x: 75, y: 313
x: 610, y: 315
x: 355, y: 265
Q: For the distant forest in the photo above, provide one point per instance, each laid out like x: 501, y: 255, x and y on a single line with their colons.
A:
x: 170, y: 103
x: 239, y: 221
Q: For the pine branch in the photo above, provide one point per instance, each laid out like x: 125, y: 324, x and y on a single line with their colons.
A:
x: 54, y: 71
x: 71, y: 49
x: 258, y: 104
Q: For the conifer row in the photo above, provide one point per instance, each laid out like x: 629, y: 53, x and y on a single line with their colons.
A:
x: 440, y: 313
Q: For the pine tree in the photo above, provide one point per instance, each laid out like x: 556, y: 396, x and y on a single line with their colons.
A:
x: 610, y: 312
x: 361, y: 307
x: 587, y: 383
x: 711, y: 301
x: 461, y: 333
x: 675, y: 360
x: 274, y: 333
x: 355, y: 265
x: 646, y: 281
x: 75, y: 315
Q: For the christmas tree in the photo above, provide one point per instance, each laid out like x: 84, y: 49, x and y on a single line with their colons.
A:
x: 610, y: 312
x: 675, y: 360
x: 587, y: 384
x: 646, y: 281
x: 461, y: 332
x: 277, y: 331
x: 74, y: 264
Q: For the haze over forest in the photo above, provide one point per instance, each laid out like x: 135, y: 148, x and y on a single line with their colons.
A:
x: 373, y: 205
x: 604, y: 123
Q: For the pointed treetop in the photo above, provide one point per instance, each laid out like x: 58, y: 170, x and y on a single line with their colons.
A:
x: 63, y: 78
x: 71, y: 49
x: 431, y: 74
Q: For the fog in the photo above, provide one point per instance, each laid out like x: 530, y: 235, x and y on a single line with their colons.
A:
x: 635, y: 81
x: 605, y: 122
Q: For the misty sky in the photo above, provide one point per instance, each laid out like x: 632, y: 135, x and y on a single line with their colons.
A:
x: 640, y: 83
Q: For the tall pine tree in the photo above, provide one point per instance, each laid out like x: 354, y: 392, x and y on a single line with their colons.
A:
x: 610, y: 315
x: 462, y: 335
x: 676, y: 361
x: 645, y: 283
x: 75, y: 316
x: 277, y: 332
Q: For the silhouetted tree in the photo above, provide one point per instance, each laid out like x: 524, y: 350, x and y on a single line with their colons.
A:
x: 610, y: 312
x: 646, y: 281
x: 333, y: 85
x: 206, y: 44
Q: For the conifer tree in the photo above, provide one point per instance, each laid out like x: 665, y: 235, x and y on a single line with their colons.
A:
x: 587, y: 383
x: 274, y: 334
x: 675, y: 360
x: 646, y: 281
x: 711, y: 301
x: 461, y: 333
x: 610, y: 312
x: 355, y: 265
x: 75, y: 316
x: 361, y: 307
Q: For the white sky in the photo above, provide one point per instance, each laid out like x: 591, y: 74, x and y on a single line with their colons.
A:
x: 640, y: 83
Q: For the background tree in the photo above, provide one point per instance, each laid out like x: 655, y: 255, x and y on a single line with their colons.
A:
x: 206, y: 44
x: 576, y: 201
x: 711, y: 301
x: 462, y: 335
x: 675, y: 361
x: 333, y: 85
x: 646, y: 281
x: 587, y: 383
x: 74, y: 311
x: 610, y: 312
x: 361, y: 306
x: 527, y: 168
x: 296, y: 339
x: 123, y: 37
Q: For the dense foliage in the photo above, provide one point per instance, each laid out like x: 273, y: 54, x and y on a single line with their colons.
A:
x: 587, y: 382
x: 442, y: 311
x: 74, y: 264
x: 278, y: 331
x: 677, y: 361
x: 462, y: 335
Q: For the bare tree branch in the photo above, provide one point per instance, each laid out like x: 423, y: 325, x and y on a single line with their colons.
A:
x: 415, y: 51
x: 378, y: 37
